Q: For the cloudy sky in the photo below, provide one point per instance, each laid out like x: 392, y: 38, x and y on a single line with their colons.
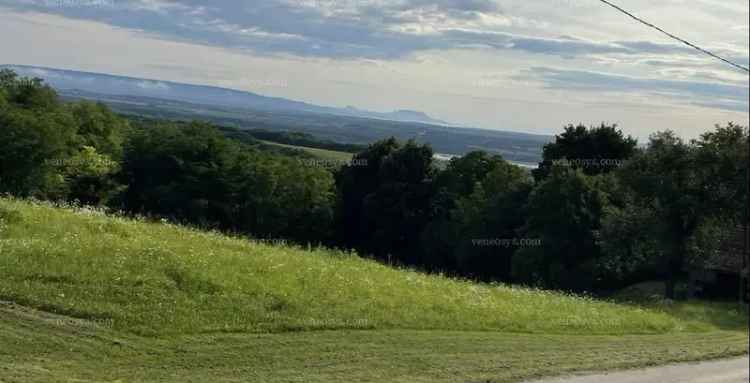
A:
x: 522, y: 65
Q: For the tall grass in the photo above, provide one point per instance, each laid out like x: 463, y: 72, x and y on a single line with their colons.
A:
x: 156, y: 278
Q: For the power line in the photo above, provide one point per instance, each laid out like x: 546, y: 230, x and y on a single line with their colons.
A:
x: 714, y: 55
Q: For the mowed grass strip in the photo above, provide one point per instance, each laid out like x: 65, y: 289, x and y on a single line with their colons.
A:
x: 161, y: 279
x: 38, y: 347
x: 323, y: 154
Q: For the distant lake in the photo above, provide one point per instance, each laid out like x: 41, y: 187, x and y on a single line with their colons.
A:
x: 444, y: 157
x: 525, y: 164
x: 448, y: 157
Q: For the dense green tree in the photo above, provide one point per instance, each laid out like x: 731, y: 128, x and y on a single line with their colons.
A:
x: 631, y: 251
x: 192, y: 173
x: 354, y: 184
x: 90, y: 177
x: 30, y: 93
x: 386, y: 200
x: 721, y: 163
x: 463, y: 173
x: 564, y: 215
x: 676, y: 189
x: 91, y: 173
x: 176, y: 172
x: 35, y: 136
x: 55, y: 150
x: 665, y: 182
x: 99, y: 127
x: 32, y: 144
x: 594, y: 150
x: 455, y: 187
x: 490, y: 194
x: 278, y: 197
x: 3, y: 100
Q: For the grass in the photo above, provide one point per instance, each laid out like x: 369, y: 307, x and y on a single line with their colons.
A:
x: 323, y: 154
x: 38, y: 350
x: 101, y: 298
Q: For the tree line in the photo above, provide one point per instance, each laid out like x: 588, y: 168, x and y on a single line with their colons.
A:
x: 600, y: 211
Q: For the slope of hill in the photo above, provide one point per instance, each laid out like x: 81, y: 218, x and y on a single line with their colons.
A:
x: 151, y: 301
x: 93, y: 266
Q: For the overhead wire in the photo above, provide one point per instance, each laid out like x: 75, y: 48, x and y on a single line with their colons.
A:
x: 675, y: 37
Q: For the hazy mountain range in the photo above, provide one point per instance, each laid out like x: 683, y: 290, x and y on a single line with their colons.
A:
x: 245, y: 110
x: 208, y: 95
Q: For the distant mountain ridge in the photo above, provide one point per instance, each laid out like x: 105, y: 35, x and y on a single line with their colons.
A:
x: 158, y: 99
x: 64, y: 79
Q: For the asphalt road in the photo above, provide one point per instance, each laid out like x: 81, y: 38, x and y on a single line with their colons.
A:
x: 723, y: 371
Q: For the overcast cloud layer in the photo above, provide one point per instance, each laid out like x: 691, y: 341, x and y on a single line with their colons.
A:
x: 485, y: 63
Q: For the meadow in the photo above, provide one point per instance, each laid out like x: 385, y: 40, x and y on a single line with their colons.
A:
x: 324, y: 154
x: 82, y: 289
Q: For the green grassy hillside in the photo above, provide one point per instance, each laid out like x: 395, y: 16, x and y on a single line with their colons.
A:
x: 75, y: 279
x: 87, y: 265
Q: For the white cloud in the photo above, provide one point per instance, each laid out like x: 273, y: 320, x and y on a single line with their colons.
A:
x: 456, y: 60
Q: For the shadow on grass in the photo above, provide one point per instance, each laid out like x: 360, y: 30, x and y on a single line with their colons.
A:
x: 704, y: 314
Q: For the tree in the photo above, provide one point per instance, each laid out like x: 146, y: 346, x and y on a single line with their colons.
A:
x: 564, y: 214
x: 90, y: 177
x: 666, y: 183
x: 354, y: 184
x: 3, y: 100
x: 594, y: 150
x: 631, y: 252
x: 275, y: 197
x: 464, y: 173
x: 176, y: 172
x: 98, y: 127
x: 385, y: 200
x: 490, y: 209
x: 721, y: 162
x: 35, y: 135
x: 470, y: 203
x: 677, y: 190
x: 30, y: 93
x: 193, y: 174
x: 55, y: 150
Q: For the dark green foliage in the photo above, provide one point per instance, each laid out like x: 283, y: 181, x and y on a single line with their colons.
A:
x: 675, y: 189
x: 630, y: 252
x: 30, y: 93
x: 99, y: 127
x: 595, y: 150
x: 385, y: 200
x: 35, y: 134
x: 564, y: 213
x: 193, y: 174
x: 54, y: 150
x: 235, y: 134
x: 91, y: 173
x: 721, y: 162
x: 279, y: 197
x: 485, y: 196
x: 176, y: 172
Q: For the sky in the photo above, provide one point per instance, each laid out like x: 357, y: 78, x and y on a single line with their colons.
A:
x: 520, y: 65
